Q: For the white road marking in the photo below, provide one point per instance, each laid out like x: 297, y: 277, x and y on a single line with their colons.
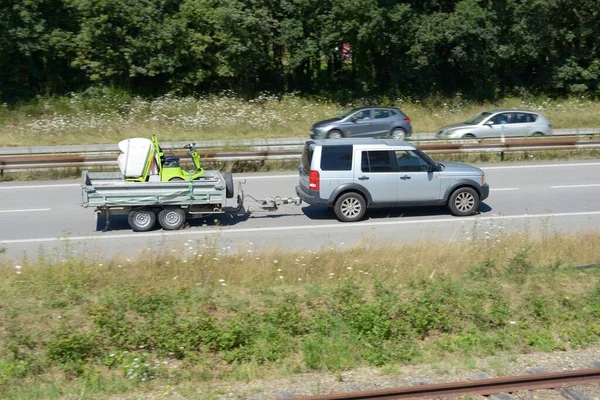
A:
x: 26, y: 210
x: 575, y: 186
x: 40, y: 186
x: 503, y: 189
x: 340, y: 225
x: 542, y: 166
x: 266, y: 177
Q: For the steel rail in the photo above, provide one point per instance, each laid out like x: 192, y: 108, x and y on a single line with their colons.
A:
x: 484, y: 387
x: 42, y: 161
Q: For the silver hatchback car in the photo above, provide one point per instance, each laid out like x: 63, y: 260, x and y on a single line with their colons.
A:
x: 498, y: 123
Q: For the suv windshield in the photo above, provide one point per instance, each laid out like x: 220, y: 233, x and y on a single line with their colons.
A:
x: 478, y: 118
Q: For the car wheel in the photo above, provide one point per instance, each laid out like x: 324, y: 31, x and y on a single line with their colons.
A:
x: 537, y: 134
x: 468, y: 136
x: 463, y: 201
x: 350, y: 207
x: 398, y: 134
x: 171, y: 218
x: 176, y: 180
x: 335, y: 134
x: 228, y: 185
x: 141, y: 220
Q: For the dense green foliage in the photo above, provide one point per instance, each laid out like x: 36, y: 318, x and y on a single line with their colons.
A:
x: 481, y: 48
x: 89, y: 328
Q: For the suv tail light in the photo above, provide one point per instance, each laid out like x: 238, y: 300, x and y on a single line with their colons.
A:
x: 407, y: 120
x: 314, y: 180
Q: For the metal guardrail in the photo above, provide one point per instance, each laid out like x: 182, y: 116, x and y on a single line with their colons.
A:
x: 249, y: 144
x: 108, y: 158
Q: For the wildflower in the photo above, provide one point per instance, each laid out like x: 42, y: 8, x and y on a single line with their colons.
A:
x: 279, y: 269
x: 18, y: 267
x: 221, y: 280
x: 275, y: 261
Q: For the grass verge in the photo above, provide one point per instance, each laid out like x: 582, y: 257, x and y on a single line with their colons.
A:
x: 193, y: 319
x: 103, y: 115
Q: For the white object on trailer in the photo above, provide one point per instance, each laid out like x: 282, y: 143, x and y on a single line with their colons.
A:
x: 134, y: 157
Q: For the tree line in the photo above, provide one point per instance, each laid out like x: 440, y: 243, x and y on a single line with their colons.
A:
x: 482, y: 49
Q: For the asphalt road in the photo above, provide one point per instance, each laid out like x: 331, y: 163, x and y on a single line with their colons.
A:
x: 46, y: 217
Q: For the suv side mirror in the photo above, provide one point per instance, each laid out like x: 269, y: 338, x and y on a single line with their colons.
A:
x: 490, y: 122
x: 353, y: 118
x: 430, y: 168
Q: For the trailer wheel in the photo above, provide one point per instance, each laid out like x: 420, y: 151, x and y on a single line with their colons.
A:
x: 141, y: 220
x: 228, y: 185
x: 171, y: 218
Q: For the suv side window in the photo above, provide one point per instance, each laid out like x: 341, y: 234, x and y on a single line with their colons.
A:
x: 410, y: 161
x: 376, y: 161
x: 336, y: 158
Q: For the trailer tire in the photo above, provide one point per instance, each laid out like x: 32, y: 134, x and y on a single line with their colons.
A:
x: 229, y: 192
x: 141, y: 220
x: 171, y: 218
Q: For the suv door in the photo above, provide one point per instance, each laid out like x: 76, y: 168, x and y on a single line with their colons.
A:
x: 415, y: 184
x: 376, y: 172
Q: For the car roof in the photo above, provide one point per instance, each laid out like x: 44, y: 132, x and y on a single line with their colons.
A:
x: 498, y: 110
x: 363, y: 142
x: 379, y: 107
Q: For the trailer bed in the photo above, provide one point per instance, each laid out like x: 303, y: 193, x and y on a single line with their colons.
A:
x: 109, y: 189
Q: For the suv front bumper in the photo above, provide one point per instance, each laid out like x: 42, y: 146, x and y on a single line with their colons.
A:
x: 485, y: 192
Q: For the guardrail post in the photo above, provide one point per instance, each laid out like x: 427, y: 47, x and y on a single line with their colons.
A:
x: 1, y: 169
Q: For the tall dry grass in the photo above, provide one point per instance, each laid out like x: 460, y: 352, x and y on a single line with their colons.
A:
x: 107, y: 116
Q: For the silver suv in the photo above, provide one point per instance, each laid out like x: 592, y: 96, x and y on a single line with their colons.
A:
x: 351, y: 175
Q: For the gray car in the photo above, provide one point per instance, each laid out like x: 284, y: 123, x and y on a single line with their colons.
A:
x: 364, y: 122
x: 351, y: 175
x: 498, y: 123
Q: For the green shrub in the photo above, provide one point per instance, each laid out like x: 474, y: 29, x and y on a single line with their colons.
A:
x: 69, y: 345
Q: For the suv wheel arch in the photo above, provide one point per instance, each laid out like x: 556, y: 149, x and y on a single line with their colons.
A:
x: 352, y: 187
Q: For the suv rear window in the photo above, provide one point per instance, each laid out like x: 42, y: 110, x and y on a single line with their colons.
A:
x: 336, y: 158
x: 307, y: 155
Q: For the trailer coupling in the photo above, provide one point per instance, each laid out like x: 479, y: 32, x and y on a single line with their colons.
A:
x: 273, y: 203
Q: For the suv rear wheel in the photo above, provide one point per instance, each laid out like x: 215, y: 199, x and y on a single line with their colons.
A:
x: 464, y: 201
x: 350, y: 207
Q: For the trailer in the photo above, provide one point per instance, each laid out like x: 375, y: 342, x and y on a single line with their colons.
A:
x: 169, y: 203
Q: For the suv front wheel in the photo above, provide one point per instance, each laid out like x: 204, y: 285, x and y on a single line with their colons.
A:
x: 463, y: 201
x: 350, y: 207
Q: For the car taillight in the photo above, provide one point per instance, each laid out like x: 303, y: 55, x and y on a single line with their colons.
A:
x: 407, y: 120
x: 313, y: 180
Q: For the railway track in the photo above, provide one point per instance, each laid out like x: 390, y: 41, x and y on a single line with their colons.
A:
x: 483, y: 387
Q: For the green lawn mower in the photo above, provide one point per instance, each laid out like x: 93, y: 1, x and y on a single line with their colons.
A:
x: 170, y: 169
x: 144, y: 160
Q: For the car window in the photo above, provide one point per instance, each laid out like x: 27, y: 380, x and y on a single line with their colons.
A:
x: 364, y: 114
x: 382, y: 114
x: 376, y: 161
x: 525, y: 117
x: 410, y: 161
x: 500, y: 118
x: 477, y: 118
x: 336, y: 158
